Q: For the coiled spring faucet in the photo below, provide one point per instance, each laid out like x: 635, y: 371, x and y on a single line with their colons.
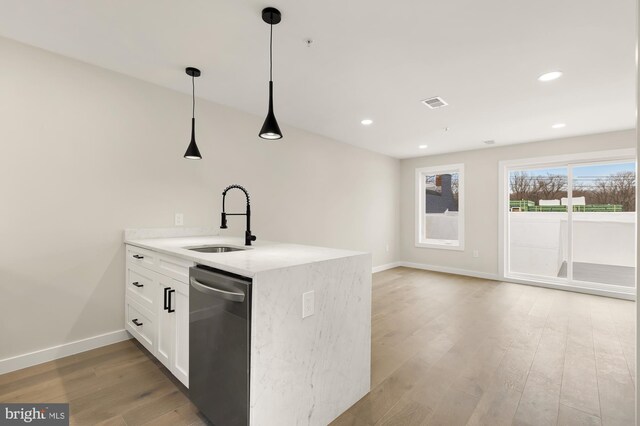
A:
x: 223, y: 225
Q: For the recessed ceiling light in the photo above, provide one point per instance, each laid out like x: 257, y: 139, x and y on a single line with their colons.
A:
x: 558, y: 126
x: 550, y: 76
x: 423, y: 146
x: 366, y: 122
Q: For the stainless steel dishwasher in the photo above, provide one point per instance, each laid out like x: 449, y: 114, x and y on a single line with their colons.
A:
x: 219, y: 345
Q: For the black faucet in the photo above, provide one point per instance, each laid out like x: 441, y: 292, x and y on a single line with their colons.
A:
x: 247, y: 234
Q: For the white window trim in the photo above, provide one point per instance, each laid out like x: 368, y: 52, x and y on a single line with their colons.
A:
x: 419, y: 200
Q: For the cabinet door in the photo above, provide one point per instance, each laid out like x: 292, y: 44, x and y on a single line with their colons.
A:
x: 166, y: 322
x: 180, y: 301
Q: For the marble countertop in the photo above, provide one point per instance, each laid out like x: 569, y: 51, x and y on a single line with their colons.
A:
x: 261, y: 256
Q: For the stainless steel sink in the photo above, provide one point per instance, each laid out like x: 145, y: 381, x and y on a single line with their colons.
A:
x: 214, y: 249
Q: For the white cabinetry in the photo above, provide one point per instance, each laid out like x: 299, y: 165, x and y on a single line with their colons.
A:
x: 173, y: 327
x: 181, y: 338
x: 157, y: 307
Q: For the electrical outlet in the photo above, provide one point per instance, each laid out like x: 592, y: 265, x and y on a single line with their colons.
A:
x: 307, y: 304
x: 476, y: 253
x: 179, y: 220
x: 387, y: 248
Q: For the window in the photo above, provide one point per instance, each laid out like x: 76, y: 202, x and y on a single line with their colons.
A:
x: 569, y: 221
x: 440, y: 207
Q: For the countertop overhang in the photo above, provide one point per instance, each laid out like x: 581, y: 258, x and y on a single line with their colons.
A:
x: 261, y: 256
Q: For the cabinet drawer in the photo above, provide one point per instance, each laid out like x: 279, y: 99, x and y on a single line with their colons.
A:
x: 140, y: 323
x: 141, y: 286
x: 166, y: 265
x: 141, y: 257
x: 174, y: 267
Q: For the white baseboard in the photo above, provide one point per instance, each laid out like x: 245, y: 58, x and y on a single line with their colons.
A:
x: 435, y: 268
x: 572, y: 288
x: 55, y: 352
x: 448, y: 270
x: 385, y: 267
x: 496, y: 277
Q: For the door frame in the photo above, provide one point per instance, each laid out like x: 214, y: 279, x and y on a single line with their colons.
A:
x: 565, y: 160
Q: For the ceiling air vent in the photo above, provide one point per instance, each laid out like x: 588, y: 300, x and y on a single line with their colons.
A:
x: 434, y: 103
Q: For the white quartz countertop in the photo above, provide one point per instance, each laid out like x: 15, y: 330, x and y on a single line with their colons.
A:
x: 261, y: 256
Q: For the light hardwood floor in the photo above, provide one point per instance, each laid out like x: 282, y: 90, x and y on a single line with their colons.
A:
x: 450, y: 350
x: 446, y: 350
x: 120, y: 384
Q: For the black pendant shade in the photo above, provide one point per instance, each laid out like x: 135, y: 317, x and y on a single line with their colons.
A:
x: 193, y: 153
x: 270, y: 129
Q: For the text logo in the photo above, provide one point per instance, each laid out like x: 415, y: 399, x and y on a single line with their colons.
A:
x: 34, y: 414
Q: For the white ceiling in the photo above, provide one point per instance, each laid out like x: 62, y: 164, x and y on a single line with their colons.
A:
x: 369, y: 59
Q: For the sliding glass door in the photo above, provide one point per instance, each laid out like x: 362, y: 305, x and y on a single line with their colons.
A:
x: 603, y: 237
x: 572, y: 224
x: 537, y: 244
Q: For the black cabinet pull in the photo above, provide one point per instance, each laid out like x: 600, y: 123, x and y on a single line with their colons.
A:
x: 165, y: 306
x: 137, y: 284
x: 135, y: 321
x: 170, y: 292
x: 137, y: 256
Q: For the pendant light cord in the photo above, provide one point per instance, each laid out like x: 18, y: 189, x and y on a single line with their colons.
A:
x: 193, y: 97
x: 271, y: 50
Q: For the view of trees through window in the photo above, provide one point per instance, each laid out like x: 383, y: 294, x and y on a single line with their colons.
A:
x: 592, y: 243
x: 613, y: 186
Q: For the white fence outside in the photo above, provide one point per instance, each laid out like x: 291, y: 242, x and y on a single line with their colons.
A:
x: 441, y: 226
x: 538, y: 240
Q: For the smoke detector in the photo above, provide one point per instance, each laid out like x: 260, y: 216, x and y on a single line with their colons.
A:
x: 435, y: 102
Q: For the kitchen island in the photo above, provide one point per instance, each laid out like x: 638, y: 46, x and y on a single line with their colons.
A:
x: 309, y: 345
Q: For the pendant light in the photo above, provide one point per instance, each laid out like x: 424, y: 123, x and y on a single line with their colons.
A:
x: 270, y: 129
x: 193, y: 153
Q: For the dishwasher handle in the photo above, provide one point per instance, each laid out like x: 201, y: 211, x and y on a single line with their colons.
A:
x: 216, y: 292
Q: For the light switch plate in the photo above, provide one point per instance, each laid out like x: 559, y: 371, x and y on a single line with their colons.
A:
x: 308, y: 304
x: 179, y: 220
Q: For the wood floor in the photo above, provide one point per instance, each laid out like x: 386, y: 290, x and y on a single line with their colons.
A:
x: 450, y: 350
x: 447, y: 350
x: 120, y: 384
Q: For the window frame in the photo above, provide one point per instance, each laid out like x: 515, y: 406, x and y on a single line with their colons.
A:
x: 420, y: 173
x: 562, y: 160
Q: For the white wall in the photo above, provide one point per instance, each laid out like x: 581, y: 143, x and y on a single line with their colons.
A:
x: 87, y: 152
x: 481, y: 197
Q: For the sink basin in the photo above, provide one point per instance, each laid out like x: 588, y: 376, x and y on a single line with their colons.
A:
x: 214, y: 249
